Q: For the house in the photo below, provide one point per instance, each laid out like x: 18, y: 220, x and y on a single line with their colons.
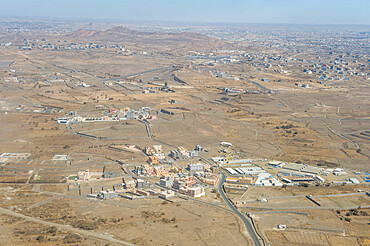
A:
x: 107, y: 195
x: 166, y: 194
x: 84, y: 176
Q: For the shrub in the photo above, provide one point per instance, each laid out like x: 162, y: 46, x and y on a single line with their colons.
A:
x: 72, y: 238
x: 86, y: 225
x: 40, y: 238
x: 363, y: 213
x: 52, y: 229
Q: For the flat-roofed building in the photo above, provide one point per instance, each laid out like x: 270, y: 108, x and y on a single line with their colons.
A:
x: 354, y: 181
x: 252, y: 170
x: 294, y: 166
x: 231, y: 171
x: 314, y: 170
x: 107, y: 195
x: 196, y: 191
x: 15, y: 155
x: 274, y: 163
x: 167, y: 194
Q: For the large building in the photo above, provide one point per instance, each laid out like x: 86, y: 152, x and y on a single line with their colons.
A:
x: 166, y: 182
x: 195, y: 167
x: 197, y: 191
x: 107, y: 195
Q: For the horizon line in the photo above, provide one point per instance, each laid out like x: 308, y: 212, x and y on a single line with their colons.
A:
x: 176, y: 21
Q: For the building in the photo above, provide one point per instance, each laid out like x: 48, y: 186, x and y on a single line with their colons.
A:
x: 141, y: 184
x: 219, y: 160
x: 250, y: 170
x: 129, y: 184
x: 62, y: 121
x: 294, y: 166
x: 84, y: 176
x: 262, y: 180
x: 314, y: 170
x: 179, y: 153
x: 319, y: 179
x: 354, y: 181
x: 282, y: 227
x: 153, y: 160
x: 167, y: 194
x: 166, y: 182
x: 276, y: 163
x: 214, y: 170
x: 177, y: 184
x: 226, y: 144
x: 197, y: 191
x: 131, y: 114
x: 107, y: 195
x: 342, y: 173
x: 193, y: 153
x: 15, y: 155
x: 199, y: 148
x: 231, y: 171
x: 195, y: 167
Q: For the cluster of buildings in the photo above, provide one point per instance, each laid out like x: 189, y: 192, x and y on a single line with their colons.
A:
x: 181, y: 153
x: 292, y: 173
x: 43, y: 44
x: 131, y: 114
x: 243, y: 171
x: 139, y: 188
x: 157, y: 170
x: 155, y: 154
x: 114, y: 115
x: 9, y: 79
x: 185, y: 185
x: 248, y: 173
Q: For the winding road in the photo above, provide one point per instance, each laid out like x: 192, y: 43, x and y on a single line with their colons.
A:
x: 247, y: 223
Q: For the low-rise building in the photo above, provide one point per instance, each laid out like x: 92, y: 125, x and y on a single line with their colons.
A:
x: 195, y: 167
x: 167, y: 194
x: 84, y: 176
x: 197, y: 191
x: 107, y: 195
x: 166, y: 182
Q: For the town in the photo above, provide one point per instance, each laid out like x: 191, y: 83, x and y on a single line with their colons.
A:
x: 140, y: 133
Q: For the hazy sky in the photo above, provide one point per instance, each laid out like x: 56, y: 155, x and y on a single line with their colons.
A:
x: 251, y: 11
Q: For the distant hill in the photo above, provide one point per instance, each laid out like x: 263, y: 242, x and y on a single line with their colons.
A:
x: 182, y: 41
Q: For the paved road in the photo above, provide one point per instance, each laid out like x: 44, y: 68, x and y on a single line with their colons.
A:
x: 43, y: 202
x: 246, y: 222
x: 148, y: 71
x: 258, y: 84
x: 305, y: 208
x: 67, y: 228
x: 149, y: 131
